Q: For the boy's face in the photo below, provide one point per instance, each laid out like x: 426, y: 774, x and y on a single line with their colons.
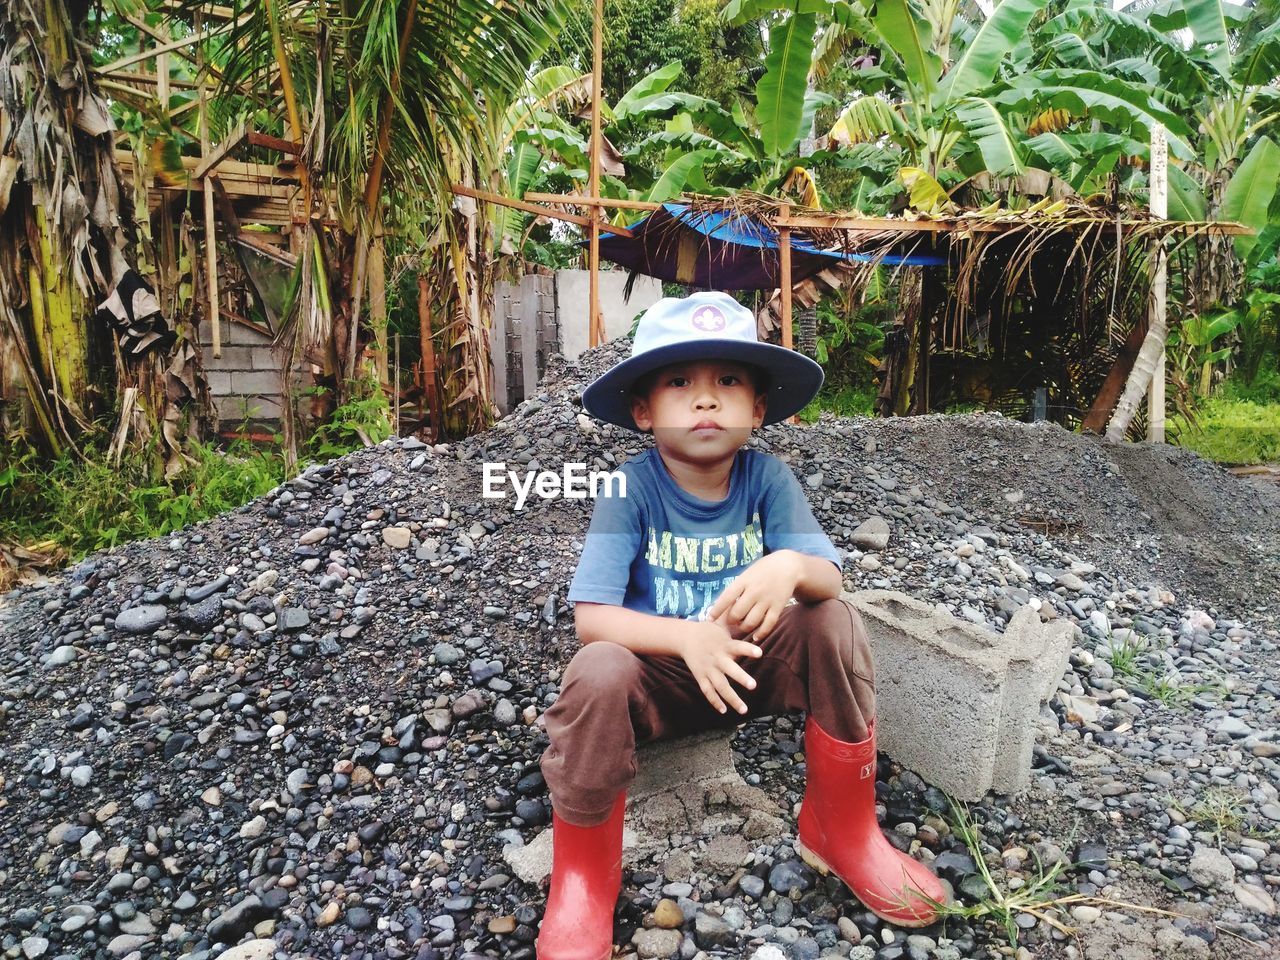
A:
x: 701, y: 411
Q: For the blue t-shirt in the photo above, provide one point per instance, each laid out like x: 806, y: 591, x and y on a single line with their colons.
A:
x: 663, y: 551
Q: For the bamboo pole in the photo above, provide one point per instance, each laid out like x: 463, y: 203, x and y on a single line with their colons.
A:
x: 597, y: 58
x: 784, y: 279
x: 1159, y: 208
x: 210, y: 225
x: 488, y: 197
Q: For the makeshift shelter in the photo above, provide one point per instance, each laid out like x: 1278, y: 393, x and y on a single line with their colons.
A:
x: 725, y: 250
x: 1037, y: 313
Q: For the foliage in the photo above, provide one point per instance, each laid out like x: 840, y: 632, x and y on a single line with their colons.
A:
x: 1041, y: 896
x: 362, y: 421
x: 93, y: 503
x: 1232, y: 431
x: 843, y: 401
x: 721, y: 61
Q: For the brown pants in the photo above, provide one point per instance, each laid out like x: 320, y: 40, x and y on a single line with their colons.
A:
x: 816, y: 658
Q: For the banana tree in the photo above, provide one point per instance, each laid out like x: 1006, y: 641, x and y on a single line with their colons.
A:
x: 69, y: 245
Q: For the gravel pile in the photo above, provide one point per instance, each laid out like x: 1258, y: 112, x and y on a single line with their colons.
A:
x: 308, y: 728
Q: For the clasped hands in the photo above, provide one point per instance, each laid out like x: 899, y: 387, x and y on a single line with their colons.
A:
x: 747, y: 610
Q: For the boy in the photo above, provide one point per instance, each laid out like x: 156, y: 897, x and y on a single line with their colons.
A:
x: 682, y: 604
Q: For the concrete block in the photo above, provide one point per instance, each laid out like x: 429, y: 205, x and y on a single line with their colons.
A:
x: 957, y: 703
x: 234, y: 409
x: 233, y: 358
x: 219, y: 382
x: 686, y: 794
x: 251, y: 382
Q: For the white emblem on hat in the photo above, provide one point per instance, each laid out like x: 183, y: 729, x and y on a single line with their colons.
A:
x: 708, y: 318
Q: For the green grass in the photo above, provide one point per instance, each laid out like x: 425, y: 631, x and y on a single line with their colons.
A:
x: 1220, y: 810
x: 66, y: 508
x: 1240, y: 423
x: 70, y: 507
x: 844, y: 402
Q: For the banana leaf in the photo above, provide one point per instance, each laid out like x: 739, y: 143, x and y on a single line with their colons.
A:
x: 1251, y: 189
x: 977, y: 65
x: 780, y: 93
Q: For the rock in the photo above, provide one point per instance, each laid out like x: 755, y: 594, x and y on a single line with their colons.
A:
x: 1211, y: 868
x: 711, y: 931
x: 667, y: 914
x: 788, y: 875
x: 313, y: 536
x: 140, y: 620
x: 250, y: 950
x: 62, y: 655
x: 1253, y: 897
x: 446, y: 654
x: 1233, y: 727
x: 1085, y: 913
x: 656, y: 943
x: 252, y: 829
x: 293, y: 619
x: 397, y: 538
x: 329, y: 915
x: 871, y: 534
x: 125, y: 944
x: 33, y: 947
x: 233, y: 922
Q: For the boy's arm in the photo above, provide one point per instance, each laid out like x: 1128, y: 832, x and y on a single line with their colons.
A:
x: 817, y: 578
x: 642, y: 633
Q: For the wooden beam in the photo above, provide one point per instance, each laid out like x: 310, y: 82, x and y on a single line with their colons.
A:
x: 784, y: 281
x: 596, y: 325
x: 575, y: 199
x: 269, y: 250
x: 274, y: 143
x: 533, y: 208
x: 172, y: 45
x: 229, y: 143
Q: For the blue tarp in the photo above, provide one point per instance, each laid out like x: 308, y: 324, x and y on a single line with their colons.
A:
x: 724, y: 251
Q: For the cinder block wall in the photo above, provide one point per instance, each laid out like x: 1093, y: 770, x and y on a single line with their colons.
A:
x: 246, y: 378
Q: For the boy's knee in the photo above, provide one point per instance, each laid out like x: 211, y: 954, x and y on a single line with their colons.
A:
x: 602, y: 666
x: 828, y: 627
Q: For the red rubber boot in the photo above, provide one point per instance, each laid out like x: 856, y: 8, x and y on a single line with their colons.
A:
x: 839, y: 833
x: 586, y: 877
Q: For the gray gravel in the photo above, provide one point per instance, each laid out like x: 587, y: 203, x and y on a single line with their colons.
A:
x: 308, y: 727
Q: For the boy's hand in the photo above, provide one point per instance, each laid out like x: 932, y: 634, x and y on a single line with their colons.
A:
x: 712, y: 659
x: 751, y: 605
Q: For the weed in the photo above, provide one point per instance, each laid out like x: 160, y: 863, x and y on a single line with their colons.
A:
x: 1125, y: 653
x: 363, y: 421
x: 1219, y: 809
x: 1230, y: 430
x: 1039, y: 897
x: 77, y: 505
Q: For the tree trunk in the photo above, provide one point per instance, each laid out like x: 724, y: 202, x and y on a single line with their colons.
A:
x: 1144, y: 368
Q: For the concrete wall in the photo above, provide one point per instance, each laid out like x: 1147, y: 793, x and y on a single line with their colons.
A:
x: 573, y: 294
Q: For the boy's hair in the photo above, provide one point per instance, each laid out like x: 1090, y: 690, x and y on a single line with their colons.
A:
x: 759, y: 379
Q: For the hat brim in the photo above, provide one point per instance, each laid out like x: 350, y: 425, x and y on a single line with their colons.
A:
x: 794, y: 378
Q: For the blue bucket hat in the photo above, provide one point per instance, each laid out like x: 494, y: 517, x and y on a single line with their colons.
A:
x: 703, y: 326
